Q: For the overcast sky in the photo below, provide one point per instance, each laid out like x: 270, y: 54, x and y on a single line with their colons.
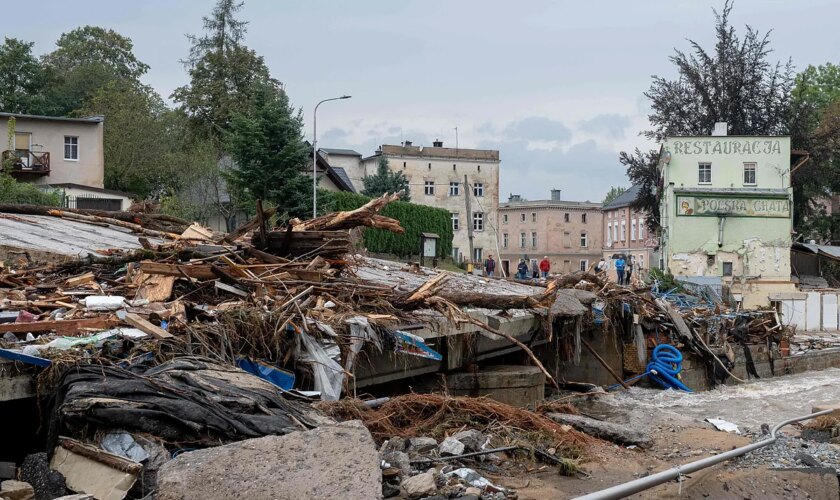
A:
x: 556, y: 86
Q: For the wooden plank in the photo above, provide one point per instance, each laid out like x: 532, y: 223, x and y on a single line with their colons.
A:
x: 80, y: 280
x: 147, y: 327
x: 231, y: 289
x: 64, y: 327
x: 197, y: 271
x: 155, y: 287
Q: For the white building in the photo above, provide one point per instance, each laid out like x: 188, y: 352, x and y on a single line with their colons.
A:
x: 443, y: 178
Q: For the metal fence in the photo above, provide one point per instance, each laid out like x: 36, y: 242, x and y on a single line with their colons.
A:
x: 93, y: 203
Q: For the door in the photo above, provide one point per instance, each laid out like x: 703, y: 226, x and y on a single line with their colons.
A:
x: 23, y: 144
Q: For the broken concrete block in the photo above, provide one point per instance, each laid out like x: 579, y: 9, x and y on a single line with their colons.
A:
x: 473, y: 491
x: 609, y: 431
x: 835, y: 409
x: 451, y: 446
x: 16, y: 490
x: 419, y: 486
x: 337, y: 461
x: 48, y: 483
x: 421, y: 444
x: 473, y: 440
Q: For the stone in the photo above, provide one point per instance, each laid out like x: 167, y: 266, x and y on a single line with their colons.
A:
x: 806, y: 459
x: 609, y: 431
x: 421, y: 444
x: 451, y: 446
x: 400, y: 460
x: 394, y: 444
x: 473, y: 440
x: 390, y: 490
x: 419, y: 486
x: 11, y: 489
x: 331, y: 461
x: 472, y: 490
x: 48, y: 484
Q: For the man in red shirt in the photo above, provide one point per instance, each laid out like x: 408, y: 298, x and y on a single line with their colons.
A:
x: 545, y: 267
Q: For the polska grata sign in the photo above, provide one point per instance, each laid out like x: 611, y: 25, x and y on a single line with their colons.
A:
x: 734, y: 206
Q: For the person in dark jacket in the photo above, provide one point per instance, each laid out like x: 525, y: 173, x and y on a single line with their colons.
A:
x: 490, y: 266
x: 522, y: 270
x: 535, y: 270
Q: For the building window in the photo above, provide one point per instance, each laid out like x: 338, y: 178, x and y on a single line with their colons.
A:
x: 521, y: 240
x: 454, y: 189
x: 704, y: 173
x: 403, y: 165
x: 615, y: 231
x: 623, y: 230
x: 430, y: 166
x: 584, y: 264
x: 534, y: 239
x: 456, y: 254
x: 505, y: 240
x: 608, y: 236
x: 478, y: 253
x: 429, y: 188
x: 504, y: 219
x: 478, y: 221
x: 583, y: 218
x: 478, y: 189
x: 456, y: 221
x: 727, y: 269
x: 566, y: 218
x: 71, y: 148
x: 567, y: 240
x: 749, y: 174
x: 641, y: 229
x: 641, y: 262
x: 533, y: 216
x: 522, y: 217
x: 633, y: 230
x: 584, y: 242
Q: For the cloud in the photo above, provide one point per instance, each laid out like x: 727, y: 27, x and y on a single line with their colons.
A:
x: 610, y: 125
x: 333, y: 136
x: 538, y: 128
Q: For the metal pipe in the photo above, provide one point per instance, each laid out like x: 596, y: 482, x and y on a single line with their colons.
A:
x: 641, y: 484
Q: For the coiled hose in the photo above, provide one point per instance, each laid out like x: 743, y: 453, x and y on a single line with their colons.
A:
x: 665, y: 365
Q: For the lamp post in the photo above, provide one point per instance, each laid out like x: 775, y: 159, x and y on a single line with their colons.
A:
x: 315, y: 153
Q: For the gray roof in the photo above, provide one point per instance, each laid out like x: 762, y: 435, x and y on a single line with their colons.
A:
x: 114, y: 192
x: 825, y: 250
x: 548, y: 203
x: 625, y: 199
x: 340, y: 152
x: 342, y: 174
x: 89, y: 119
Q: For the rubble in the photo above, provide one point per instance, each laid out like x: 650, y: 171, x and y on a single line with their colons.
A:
x: 419, y: 486
x: 11, y: 489
x: 337, y: 461
x: 617, y: 433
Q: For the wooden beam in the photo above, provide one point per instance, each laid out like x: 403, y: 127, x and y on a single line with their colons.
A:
x: 142, y: 324
x: 197, y: 271
x: 64, y: 327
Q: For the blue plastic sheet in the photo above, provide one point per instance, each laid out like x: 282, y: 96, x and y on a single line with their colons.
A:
x: 412, y: 344
x: 279, y: 377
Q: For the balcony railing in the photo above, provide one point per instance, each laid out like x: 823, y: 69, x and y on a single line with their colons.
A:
x: 23, y: 161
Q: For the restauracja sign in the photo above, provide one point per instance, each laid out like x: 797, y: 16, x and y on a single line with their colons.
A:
x: 742, y: 207
x: 726, y: 147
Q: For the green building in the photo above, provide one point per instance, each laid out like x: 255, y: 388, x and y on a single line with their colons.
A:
x: 726, y: 212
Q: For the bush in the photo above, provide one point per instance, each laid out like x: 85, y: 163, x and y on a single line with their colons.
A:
x: 12, y: 191
x: 415, y: 219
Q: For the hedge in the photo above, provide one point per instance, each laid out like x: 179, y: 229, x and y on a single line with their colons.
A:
x: 414, y: 218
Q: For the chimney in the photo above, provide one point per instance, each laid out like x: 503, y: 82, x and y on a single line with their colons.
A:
x: 555, y: 194
x: 720, y: 129
x: 513, y: 198
x: 407, y: 143
x: 437, y: 143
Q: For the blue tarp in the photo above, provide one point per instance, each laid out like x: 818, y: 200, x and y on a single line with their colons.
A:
x: 277, y: 376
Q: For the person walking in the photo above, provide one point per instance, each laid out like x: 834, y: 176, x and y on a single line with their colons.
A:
x: 522, y: 270
x: 545, y: 266
x: 619, y: 269
x: 601, y: 266
x: 490, y: 266
x: 628, y: 270
x: 535, y: 270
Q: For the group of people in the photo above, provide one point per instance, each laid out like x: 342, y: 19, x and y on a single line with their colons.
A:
x: 623, y: 268
x: 522, y: 271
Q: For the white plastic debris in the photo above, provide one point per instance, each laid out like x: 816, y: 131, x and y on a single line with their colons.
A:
x: 723, y: 425
x: 474, y: 479
x: 103, y: 302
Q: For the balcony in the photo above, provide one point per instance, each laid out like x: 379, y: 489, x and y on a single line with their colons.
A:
x: 24, y: 162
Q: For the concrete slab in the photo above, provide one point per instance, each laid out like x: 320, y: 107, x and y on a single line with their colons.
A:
x: 813, y: 312
x: 829, y: 311
x: 793, y: 313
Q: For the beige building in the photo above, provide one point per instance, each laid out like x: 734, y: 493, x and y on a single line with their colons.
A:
x: 443, y: 178
x: 625, y: 233
x: 56, y: 150
x: 567, y: 232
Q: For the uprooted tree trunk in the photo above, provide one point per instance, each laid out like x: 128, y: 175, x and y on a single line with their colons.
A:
x: 160, y: 222
x: 366, y: 215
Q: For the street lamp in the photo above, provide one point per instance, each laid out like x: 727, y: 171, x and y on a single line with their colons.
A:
x: 315, y: 153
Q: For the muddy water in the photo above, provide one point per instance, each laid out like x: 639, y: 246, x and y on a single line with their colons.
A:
x: 749, y: 405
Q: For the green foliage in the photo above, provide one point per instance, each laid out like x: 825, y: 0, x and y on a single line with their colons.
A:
x: 21, y: 78
x: 386, y: 181
x: 415, y: 219
x: 269, y: 154
x: 225, y: 76
x: 12, y: 191
x: 613, y: 193
x: 666, y: 280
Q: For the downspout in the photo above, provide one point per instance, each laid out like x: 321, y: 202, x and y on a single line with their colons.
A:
x: 721, y: 222
x: 644, y: 483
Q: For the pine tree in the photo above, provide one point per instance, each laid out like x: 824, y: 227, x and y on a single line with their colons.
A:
x: 385, y: 181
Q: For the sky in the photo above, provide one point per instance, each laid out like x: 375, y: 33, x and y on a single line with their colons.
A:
x: 556, y: 86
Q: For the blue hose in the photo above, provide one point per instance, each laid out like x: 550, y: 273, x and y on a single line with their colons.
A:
x: 665, y: 365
